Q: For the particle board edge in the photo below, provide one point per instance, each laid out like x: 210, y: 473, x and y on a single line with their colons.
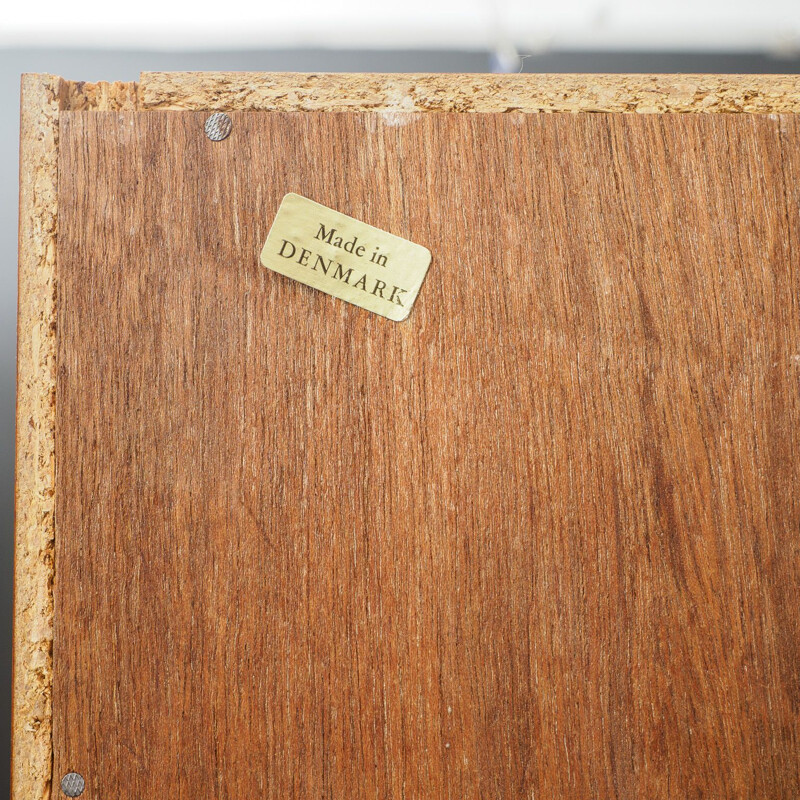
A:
x: 42, y: 98
x: 526, y: 93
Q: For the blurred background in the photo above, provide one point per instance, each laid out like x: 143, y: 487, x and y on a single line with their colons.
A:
x: 95, y: 41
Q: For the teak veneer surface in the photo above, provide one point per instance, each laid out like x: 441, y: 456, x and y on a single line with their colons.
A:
x: 539, y: 540
x: 45, y: 97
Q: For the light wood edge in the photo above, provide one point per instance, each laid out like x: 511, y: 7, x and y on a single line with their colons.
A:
x: 531, y: 93
x: 43, y: 97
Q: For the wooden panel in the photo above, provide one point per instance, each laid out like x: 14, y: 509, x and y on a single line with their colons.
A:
x: 538, y: 540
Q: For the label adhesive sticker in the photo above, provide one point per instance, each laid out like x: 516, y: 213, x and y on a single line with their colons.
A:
x: 345, y: 258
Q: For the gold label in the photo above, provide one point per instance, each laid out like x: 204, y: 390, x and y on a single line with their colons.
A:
x: 345, y: 258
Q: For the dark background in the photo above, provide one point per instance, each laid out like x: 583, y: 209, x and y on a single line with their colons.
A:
x: 96, y: 65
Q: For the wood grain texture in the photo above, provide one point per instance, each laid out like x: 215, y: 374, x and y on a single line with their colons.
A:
x: 539, y: 540
x: 290, y: 91
x: 43, y: 97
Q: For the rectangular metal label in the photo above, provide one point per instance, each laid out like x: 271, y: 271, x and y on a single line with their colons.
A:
x: 345, y: 258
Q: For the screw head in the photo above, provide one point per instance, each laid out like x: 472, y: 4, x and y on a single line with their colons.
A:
x: 218, y: 126
x: 73, y: 784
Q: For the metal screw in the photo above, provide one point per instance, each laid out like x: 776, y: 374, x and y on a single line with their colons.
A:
x: 73, y: 784
x: 218, y: 126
